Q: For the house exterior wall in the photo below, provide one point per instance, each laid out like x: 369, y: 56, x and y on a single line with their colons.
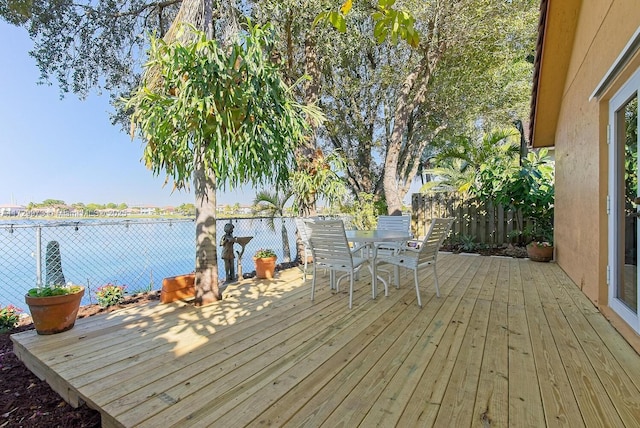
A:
x: 603, y: 29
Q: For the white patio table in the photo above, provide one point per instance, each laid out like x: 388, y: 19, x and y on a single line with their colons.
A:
x: 372, y: 237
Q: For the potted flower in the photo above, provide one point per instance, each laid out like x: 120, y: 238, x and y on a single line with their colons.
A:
x: 54, y: 308
x: 265, y: 260
x: 540, y: 249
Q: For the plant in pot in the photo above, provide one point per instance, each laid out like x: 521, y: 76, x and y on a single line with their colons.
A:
x: 540, y: 249
x: 527, y: 189
x: 265, y: 260
x: 539, y: 209
x: 54, y: 308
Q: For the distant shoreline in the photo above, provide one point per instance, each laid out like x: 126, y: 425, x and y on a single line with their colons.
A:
x: 220, y: 216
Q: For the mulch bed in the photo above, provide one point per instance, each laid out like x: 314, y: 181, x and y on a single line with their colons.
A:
x: 508, y: 250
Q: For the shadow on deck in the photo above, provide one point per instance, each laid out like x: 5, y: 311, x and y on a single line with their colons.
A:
x: 509, y: 343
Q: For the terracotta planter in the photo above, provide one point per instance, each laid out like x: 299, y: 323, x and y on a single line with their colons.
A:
x: 265, y: 267
x: 539, y: 253
x: 54, y: 314
x: 179, y: 287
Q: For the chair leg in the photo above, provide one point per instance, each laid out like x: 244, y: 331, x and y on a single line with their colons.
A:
x: 435, y: 276
x: 415, y: 278
x: 386, y: 286
x: 351, y: 290
x: 304, y: 270
x: 396, y: 273
x: 313, y: 284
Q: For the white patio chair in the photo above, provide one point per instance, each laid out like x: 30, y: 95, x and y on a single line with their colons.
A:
x: 427, y: 254
x: 331, y: 251
x: 305, y: 234
x: 400, y: 223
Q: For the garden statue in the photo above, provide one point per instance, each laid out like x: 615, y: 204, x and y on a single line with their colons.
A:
x: 243, y: 241
x: 226, y: 243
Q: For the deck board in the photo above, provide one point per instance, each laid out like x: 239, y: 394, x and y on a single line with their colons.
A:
x: 492, y: 397
x: 508, y: 343
x: 560, y: 406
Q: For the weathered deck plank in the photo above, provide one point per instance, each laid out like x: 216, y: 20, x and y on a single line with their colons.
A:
x: 509, y: 343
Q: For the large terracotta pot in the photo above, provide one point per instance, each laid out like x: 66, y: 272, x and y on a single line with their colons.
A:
x: 265, y: 267
x: 539, y: 253
x: 54, y: 314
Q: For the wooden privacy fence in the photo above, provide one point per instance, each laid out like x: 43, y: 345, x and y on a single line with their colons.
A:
x: 485, y: 222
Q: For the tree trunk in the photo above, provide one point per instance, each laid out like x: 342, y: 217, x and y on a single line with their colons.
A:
x: 207, y: 289
x: 306, y: 151
x: 401, y: 119
x: 413, y: 92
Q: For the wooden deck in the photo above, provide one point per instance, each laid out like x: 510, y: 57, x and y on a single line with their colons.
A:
x: 509, y: 343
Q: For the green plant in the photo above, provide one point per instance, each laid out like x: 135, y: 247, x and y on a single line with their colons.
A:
x: 466, y: 243
x: 110, y: 295
x: 542, y: 244
x: 9, y: 317
x: 54, y: 290
x: 363, y: 211
x: 272, y: 204
x: 264, y: 253
x: 530, y: 189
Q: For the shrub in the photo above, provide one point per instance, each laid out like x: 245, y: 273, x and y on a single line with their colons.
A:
x: 9, y: 317
x: 110, y: 295
x: 467, y: 243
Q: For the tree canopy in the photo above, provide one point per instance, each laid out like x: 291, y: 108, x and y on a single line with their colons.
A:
x: 396, y: 80
x: 225, y: 109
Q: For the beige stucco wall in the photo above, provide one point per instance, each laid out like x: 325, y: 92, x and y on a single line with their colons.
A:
x: 604, y: 28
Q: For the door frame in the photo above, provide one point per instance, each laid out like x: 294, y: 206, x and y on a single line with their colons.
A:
x: 630, y: 89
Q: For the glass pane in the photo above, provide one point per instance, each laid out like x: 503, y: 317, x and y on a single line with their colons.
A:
x: 628, y: 288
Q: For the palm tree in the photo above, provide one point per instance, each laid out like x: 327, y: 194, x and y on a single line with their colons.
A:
x: 459, y: 165
x: 452, y: 176
x: 271, y: 205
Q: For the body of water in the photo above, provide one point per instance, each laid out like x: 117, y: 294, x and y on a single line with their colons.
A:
x: 135, y: 253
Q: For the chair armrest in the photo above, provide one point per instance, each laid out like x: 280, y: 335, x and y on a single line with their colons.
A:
x: 359, y: 247
x: 409, y: 250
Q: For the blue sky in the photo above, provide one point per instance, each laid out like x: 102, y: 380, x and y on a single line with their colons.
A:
x: 67, y: 149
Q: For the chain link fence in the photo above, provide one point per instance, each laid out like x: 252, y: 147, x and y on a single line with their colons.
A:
x: 135, y: 253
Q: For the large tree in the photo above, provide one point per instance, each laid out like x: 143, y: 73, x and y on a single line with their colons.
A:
x: 220, y: 114
x: 455, y: 72
x: 387, y: 102
x: 193, y: 132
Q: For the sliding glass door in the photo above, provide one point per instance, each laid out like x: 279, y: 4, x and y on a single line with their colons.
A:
x: 624, y: 202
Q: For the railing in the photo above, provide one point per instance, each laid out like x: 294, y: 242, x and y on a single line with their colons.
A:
x: 486, y: 223
x: 135, y: 253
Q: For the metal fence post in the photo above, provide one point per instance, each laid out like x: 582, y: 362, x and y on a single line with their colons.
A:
x: 39, y: 256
